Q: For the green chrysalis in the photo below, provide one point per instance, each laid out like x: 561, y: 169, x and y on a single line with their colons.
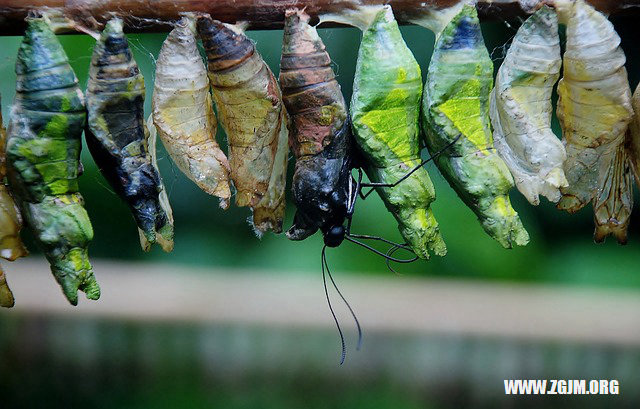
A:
x: 385, y: 109
x: 456, y: 108
x: 43, y: 158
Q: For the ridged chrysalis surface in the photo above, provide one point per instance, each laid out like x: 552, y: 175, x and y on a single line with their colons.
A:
x: 385, y: 108
x: 119, y: 139
x: 43, y: 158
x: 594, y: 111
x: 521, y: 108
x: 183, y: 112
x: 456, y: 110
x: 251, y: 112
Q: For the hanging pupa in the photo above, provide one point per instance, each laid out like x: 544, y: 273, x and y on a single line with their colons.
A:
x: 250, y: 110
x: 43, y: 158
x: 119, y: 140
x: 594, y: 110
x: 320, y: 131
x: 521, y: 108
x: 183, y: 112
x: 385, y: 108
x: 456, y: 113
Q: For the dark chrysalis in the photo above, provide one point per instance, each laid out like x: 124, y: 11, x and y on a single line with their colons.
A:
x: 320, y: 133
x: 118, y: 137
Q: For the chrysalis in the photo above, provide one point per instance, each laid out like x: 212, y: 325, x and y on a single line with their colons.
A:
x: 43, y: 158
x: 385, y: 108
x: 183, y: 112
x: 521, y: 108
x: 119, y: 140
x: 594, y: 111
x: 250, y: 109
x: 320, y: 134
x: 456, y: 108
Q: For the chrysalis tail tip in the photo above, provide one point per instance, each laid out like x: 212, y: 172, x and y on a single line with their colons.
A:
x: 619, y: 231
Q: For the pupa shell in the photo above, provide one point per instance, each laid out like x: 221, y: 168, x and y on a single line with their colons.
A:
x: 521, y: 108
x: 118, y: 138
x: 251, y: 112
x: 320, y: 131
x: 183, y: 112
x: 455, y: 111
x: 385, y: 108
x: 594, y: 109
x: 43, y: 158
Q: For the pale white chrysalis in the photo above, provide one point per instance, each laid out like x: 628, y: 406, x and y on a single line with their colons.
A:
x: 183, y: 112
x: 594, y: 108
x: 521, y: 108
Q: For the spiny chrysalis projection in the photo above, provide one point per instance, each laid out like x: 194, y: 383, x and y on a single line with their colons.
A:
x: 385, y: 108
x: 594, y: 110
x: 43, y: 158
x: 521, y: 108
x: 320, y: 133
x: 11, y: 246
x: 456, y: 110
x: 118, y: 138
x: 251, y: 112
x: 183, y: 112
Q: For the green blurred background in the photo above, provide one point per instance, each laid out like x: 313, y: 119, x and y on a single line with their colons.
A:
x: 561, y: 251
x: 561, y: 247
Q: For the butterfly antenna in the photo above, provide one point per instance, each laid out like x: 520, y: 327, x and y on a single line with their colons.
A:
x: 390, y: 253
x: 353, y: 314
x: 335, y: 319
x: 382, y: 239
x: 381, y: 254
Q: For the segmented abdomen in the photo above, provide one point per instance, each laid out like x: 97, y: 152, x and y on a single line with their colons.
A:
x: 521, y: 108
x: 320, y: 133
x: 595, y: 101
x: 456, y: 110
x: 118, y: 138
x: 385, y: 108
x: 183, y: 112
x: 43, y: 153
x: 250, y: 109
x: 311, y: 94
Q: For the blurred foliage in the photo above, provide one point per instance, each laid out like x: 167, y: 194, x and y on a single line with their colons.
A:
x: 561, y: 248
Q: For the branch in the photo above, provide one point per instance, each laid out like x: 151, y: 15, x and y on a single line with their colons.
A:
x: 153, y: 15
